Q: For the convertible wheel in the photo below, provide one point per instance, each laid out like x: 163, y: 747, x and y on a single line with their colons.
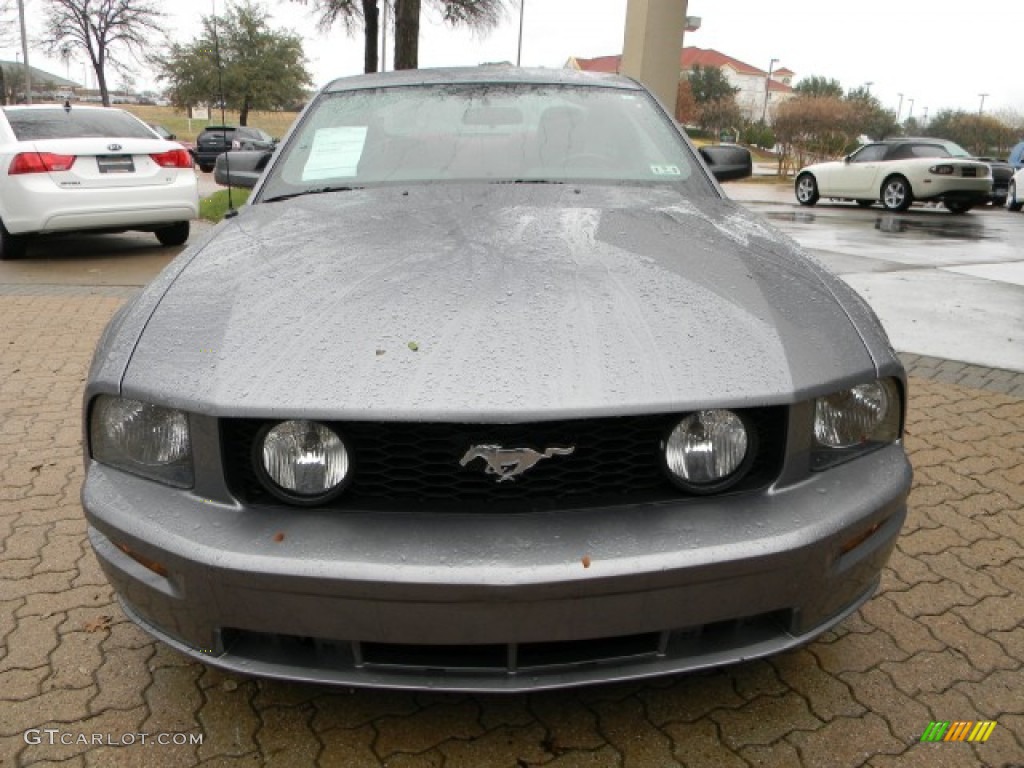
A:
x: 176, y: 234
x: 865, y: 203
x: 1011, y: 200
x: 958, y: 206
x: 806, y: 189
x: 896, y: 194
x: 11, y: 246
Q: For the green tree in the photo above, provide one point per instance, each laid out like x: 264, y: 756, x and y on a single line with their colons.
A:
x: 820, y: 87
x: 869, y: 117
x: 260, y: 68
x: 981, y: 134
x: 104, y: 30
x: 710, y: 84
x: 351, y: 14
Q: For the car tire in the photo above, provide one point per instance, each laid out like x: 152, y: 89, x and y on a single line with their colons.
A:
x: 11, y: 246
x: 865, y: 203
x: 806, y: 189
x: 998, y: 202
x: 1011, y: 199
x: 205, y: 168
x: 896, y: 194
x: 176, y: 234
x: 958, y: 206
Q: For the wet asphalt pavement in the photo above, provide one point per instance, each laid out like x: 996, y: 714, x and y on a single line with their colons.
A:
x: 945, y: 286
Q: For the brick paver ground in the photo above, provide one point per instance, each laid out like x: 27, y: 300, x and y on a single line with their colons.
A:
x: 942, y: 641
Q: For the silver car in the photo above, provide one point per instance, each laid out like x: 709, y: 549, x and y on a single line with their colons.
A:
x: 490, y: 387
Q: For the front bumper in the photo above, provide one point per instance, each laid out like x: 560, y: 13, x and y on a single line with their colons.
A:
x: 498, y: 602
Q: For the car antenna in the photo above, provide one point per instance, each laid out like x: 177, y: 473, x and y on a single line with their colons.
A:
x: 223, y: 120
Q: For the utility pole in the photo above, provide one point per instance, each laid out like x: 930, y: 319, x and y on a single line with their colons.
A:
x: 982, y: 107
x: 899, y: 109
x: 910, y: 113
x: 24, y: 52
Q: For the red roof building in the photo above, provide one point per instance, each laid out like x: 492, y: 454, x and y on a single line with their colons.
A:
x: 756, y: 94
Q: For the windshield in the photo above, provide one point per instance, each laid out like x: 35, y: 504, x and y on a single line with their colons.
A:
x: 521, y: 132
x: 955, y: 150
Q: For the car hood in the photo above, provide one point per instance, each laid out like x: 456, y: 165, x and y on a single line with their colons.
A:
x: 494, y: 302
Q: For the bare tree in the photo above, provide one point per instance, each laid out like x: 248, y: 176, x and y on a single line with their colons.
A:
x: 104, y: 30
x: 8, y: 24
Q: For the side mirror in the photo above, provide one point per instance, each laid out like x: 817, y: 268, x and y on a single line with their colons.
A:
x: 241, y: 169
x: 846, y: 159
x: 171, y: 137
x: 728, y: 162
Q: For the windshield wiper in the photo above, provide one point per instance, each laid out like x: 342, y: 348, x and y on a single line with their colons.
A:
x: 527, y: 181
x: 313, y: 191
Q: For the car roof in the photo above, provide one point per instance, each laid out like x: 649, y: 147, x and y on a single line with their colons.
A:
x: 75, y: 106
x: 915, y: 140
x: 484, y: 74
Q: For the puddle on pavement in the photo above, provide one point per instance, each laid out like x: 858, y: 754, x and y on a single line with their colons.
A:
x: 940, y: 225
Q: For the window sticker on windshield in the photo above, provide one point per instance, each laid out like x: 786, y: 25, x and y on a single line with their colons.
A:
x: 666, y: 170
x: 335, y: 152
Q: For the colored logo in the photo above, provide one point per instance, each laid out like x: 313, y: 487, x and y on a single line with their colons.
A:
x: 959, y: 730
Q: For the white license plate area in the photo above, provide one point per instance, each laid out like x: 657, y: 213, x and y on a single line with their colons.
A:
x: 115, y: 164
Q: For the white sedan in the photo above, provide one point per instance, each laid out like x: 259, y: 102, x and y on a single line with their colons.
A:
x: 899, y: 172
x: 1015, y: 196
x: 74, y: 168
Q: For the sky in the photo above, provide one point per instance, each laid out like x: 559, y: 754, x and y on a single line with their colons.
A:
x: 936, y: 53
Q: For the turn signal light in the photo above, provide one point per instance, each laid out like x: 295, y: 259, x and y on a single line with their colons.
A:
x: 39, y: 162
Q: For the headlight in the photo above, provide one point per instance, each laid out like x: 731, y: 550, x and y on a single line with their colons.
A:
x: 304, y: 462
x: 941, y: 170
x: 141, y: 438
x: 707, y: 451
x: 862, y: 417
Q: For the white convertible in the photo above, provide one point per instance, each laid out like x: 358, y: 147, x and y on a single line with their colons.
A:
x: 899, y: 172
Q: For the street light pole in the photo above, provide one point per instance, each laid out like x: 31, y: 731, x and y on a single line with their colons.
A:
x: 519, y: 48
x: 899, y: 109
x: 982, y: 107
x: 767, y: 86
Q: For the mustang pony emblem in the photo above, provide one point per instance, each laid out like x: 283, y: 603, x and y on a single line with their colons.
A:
x: 506, y: 463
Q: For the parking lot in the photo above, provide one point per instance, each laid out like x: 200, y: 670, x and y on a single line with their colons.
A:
x: 943, y: 640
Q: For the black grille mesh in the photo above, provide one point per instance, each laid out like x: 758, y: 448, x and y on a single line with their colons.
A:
x: 616, y: 461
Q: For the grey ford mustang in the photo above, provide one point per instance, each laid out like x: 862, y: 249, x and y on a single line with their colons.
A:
x: 489, y: 387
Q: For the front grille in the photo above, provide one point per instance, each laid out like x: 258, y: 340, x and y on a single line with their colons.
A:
x: 507, y: 659
x: 396, y: 464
